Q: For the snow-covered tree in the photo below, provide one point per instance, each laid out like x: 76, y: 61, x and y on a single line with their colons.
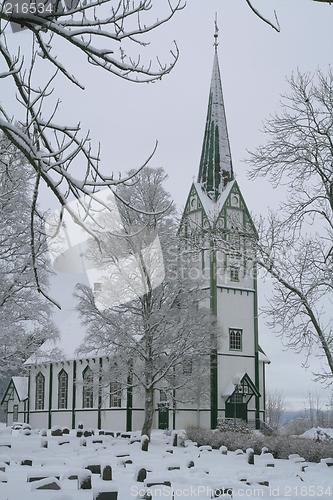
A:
x: 24, y: 313
x: 296, y: 246
x: 110, y: 35
x: 160, y: 330
x: 275, y: 406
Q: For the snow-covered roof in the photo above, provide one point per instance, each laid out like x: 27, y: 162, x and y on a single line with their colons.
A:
x: 215, y: 164
x: 66, y: 345
x: 263, y: 357
x: 21, y: 386
x: 211, y: 207
x: 230, y: 387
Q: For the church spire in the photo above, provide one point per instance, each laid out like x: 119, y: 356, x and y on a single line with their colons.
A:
x: 215, y: 165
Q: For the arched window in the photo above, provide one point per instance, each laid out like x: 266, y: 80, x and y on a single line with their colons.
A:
x: 115, y: 395
x: 62, y: 389
x: 40, y: 391
x: 88, y: 389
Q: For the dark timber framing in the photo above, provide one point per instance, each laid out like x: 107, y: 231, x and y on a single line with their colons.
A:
x: 213, y: 355
x: 256, y: 350
x: 99, y: 412
x: 74, y: 394
x: 50, y: 396
x: 129, y: 399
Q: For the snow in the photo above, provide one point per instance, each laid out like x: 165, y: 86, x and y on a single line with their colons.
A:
x: 213, y: 208
x: 65, y: 346
x: 211, y: 471
x: 318, y: 432
x: 21, y: 386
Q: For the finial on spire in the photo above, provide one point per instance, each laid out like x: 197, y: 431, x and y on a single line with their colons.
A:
x: 216, y: 34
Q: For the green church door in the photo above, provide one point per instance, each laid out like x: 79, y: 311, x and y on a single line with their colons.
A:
x: 163, y: 416
x: 236, y: 410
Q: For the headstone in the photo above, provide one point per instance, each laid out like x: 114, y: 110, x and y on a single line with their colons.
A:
x: 250, y: 456
x: 222, y: 492
x: 26, y: 462
x: 94, y: 468
x: 141, y: 475
x: 44, y: 443
x: 144, y: 443
x: 65, y: 430
x: 175, y: 439
x: 49, y: 483
x: 223, y: 450
x: 56, y: 431
x: 107, y: 473
x: 106, y: 495
x: 85, y: 480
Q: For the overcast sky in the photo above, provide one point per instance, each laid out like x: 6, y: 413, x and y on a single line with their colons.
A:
x: 254, y: 61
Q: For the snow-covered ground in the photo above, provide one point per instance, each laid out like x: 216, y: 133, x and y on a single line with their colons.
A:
x: 193, y: 472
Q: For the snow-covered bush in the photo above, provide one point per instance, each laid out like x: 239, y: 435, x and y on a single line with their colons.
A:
x: 279, y: 446
x: 232, y: 425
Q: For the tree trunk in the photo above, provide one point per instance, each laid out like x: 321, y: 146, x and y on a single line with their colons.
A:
x: 149, y: 412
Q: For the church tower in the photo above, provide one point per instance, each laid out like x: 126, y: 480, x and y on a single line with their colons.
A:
x: 216, y: 215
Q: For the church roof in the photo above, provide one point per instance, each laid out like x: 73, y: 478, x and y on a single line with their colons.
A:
x: 215, y: 165
x: 213, y: 208
x: 20, y: 385
x: 66, y: 345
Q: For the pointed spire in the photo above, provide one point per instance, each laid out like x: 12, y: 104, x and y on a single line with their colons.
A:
x: 215, y: 165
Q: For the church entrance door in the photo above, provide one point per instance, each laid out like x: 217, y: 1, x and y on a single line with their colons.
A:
x: 163, y: 415
x: 236, y: 410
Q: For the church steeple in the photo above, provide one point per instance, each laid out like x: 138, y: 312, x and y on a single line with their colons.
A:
x: 215, y: 165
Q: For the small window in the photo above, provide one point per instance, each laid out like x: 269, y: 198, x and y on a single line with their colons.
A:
x: 98, y: 287
x: 115, y: 395
x: 15, y: 413
x: 163, y: 397
x: 234, y: 274
x: 88, y: 388
x: 187, y: 367
x: 40, y: 391
x: 235, y: 339
x: 62, y: 389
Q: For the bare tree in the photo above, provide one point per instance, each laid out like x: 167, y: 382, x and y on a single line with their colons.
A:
x: 296, y: 248
x: 160, y: 328
x: 24, y: 314
x: 273, y: 24
x: 106, y: 33
x: 275, y: 406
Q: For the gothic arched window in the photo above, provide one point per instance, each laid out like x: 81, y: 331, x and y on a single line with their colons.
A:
x: 62, y: 389
x: 88, y: 389
x: 40, y: 391
x: 115, y: 395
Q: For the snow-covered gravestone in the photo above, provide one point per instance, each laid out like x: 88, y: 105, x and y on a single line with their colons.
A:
x: 144, y: 443
x: 105, y: 493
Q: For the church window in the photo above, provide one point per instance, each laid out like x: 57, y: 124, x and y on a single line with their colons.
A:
x: 98, y: 287
x: 234, y: 274
x: 15, y: 413
x: 163, y: 397
x: 187, y: 367
x: 235, y: 339
x: 115, y: 395
x: 40, y: 391
x: 62, y: 389
x: 88, y: 389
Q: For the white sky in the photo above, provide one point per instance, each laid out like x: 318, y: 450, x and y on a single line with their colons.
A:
x: 254, y: 61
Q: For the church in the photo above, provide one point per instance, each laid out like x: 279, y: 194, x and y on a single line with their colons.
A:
x: 64, y: 390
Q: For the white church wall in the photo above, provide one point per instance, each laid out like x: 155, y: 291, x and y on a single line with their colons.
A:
x: 236, y: 310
